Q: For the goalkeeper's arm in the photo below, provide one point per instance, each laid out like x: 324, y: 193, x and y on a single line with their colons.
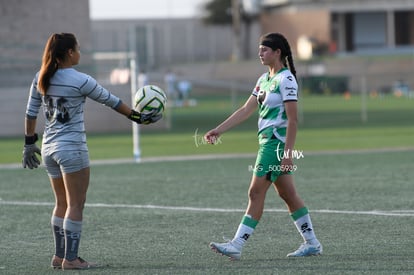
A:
x: 137, y: 117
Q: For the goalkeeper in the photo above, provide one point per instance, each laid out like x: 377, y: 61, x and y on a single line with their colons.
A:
x: 61, y: 91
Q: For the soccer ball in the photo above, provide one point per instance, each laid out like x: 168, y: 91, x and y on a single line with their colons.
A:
x: 150, y: 98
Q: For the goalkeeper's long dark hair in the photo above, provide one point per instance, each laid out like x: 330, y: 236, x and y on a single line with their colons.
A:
x: 56, y: 50
x: 278, y: 41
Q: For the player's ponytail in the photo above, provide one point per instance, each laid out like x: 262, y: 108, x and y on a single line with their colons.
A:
x: 55, y: 51
x: 278, y: 41
x: 289, y: 56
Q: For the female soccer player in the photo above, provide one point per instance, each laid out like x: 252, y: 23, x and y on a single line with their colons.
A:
x: 61, y: 91
x: 276, y: 96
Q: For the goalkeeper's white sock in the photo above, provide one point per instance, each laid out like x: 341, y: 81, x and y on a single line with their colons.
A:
x: 303, y: 224
x: 244, y: 231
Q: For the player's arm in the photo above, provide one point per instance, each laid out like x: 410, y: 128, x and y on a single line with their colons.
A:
x: 30, y: 149
x: 289, y: 91
x: 292, y: 121
x: 240, y: 115
x: 95, y: 91
x: 135, y: 116
x: 123, y: 109
x: 30, y: 126
x: 291, y: 110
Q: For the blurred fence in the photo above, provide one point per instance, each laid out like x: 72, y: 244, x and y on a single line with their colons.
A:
x: 227, y: 81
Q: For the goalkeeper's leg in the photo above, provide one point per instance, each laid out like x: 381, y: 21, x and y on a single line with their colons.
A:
x: 57, y: 222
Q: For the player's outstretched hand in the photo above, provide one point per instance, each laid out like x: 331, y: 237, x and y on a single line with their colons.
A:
x: 141, y: 118
x: 211, y: 136
x: 30, y: 160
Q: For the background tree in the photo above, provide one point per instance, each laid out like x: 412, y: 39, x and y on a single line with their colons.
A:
x: 218, y: 12
x: 230, y: 12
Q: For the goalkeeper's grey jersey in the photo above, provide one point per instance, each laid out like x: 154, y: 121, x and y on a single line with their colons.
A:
x: 63, y: 108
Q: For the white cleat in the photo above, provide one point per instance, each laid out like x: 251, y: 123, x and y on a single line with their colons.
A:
x: 307, y: 250
x: 226, y: 249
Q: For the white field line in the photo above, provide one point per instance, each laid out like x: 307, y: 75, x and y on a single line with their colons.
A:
x: 399, y: 213
x: 149, y: 159
x: 225, y: 156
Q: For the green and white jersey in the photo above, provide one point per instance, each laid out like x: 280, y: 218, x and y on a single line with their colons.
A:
x: 271, y: 93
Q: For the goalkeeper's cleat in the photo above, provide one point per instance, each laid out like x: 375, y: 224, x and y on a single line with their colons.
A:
x: 227, y: 249
x: 306, y: 249
x: 56, y: 262
x: 78, y: 263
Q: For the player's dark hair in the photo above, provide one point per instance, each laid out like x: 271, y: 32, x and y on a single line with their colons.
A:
x: 56, y: 49
x: 278, y: 41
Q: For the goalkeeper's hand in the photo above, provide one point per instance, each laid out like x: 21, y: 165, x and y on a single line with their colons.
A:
x: 141, y: 118
x: 30, y: 160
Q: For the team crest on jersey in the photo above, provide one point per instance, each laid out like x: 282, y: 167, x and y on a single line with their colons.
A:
x: 272, y: 87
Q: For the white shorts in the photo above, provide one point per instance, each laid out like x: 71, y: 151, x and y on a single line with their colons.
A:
x: 65, y: 162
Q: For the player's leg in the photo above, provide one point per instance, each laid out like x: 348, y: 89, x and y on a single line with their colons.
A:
x: 257, y: 195
x: 76, y: 185
x: 58, y: 215
x: 285, y: 187
x: 254, y: 211
x: 75, y: 170
x: 259, y: 185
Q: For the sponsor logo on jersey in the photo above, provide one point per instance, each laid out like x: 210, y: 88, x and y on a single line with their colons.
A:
x: 292, y: 91
x: 261, y: 96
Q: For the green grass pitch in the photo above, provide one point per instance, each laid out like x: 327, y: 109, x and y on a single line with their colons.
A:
x: 158, y: 217
x: 326, y: 123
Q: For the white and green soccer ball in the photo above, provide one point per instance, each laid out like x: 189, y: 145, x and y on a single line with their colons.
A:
x: 150, y: 98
